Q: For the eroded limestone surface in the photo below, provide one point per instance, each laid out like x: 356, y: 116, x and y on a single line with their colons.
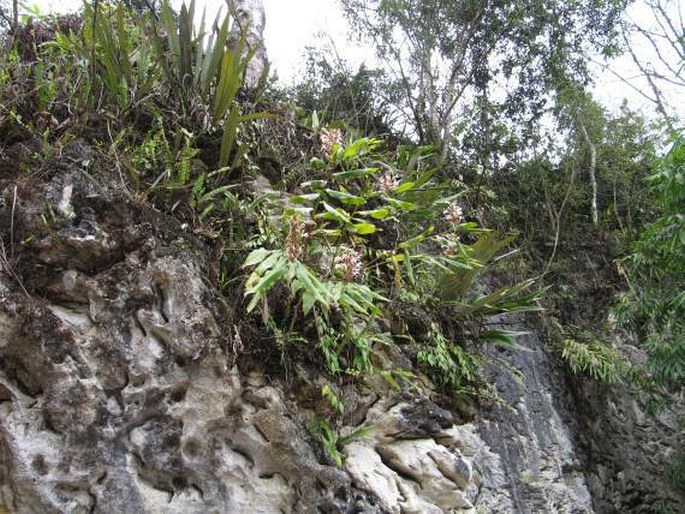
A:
x: 119, y: 390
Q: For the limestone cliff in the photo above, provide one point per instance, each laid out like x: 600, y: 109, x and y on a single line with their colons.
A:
x: 120, y: 390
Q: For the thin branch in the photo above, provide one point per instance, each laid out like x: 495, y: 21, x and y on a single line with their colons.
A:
x: 14, y: 208
x: 658, y: 49
x: 657, y: 75
x: 657, y: 93
x: 676, y: 35
x: 625, y: 80
x: 558, y: 223
x: 7, y: 267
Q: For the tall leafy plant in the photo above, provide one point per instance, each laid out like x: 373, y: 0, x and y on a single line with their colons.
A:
x: 370, y: 229
x: 204, y: 72
x: 654, y: 305
x: 119, y: 64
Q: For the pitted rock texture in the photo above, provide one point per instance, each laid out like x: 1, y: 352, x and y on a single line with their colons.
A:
x: 118, y: 391
x: 418, y: 461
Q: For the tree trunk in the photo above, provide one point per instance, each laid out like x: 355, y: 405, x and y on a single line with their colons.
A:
x: 593, y: 174
x: 249, y: 21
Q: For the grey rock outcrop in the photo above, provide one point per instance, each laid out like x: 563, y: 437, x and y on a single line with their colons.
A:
x: 529, y: 431
x: 119, y: 391
x: 570, y: 445
x: 442, y: 467
x: 117, y: 386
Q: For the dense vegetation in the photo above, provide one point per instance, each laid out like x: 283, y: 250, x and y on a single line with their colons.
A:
x: 350, y: 209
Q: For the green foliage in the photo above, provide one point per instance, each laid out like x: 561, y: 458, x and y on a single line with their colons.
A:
x: 654, y: 306
x: 334, y: 400
x: 343, y: 96
x: 333, y: 442
x: 202, y: 75
x: 585, y: 354
x: 117, y: 61
x: 447, y: 362
x: 369, y: 229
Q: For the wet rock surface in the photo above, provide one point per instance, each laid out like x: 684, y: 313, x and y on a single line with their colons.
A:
x: 570, y: 445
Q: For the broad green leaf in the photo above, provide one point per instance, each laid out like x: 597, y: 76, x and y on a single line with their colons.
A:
x: 304, y: 199
x: 507, y: 337
x: 378, y: 214
x: 364, y: 228
x: 268, y: 281
x: 311, y: 285
x: 399, y: 204
x: 335, y: 214
x: 410, y: 243
x: 352, y: 174
x: 346, y: 198
x: 257, y: 256
x: 276, y: 259
x: 404, y: 187
x: 308, y: 301
x: 313, y: 184
x: 327, y: 232
x: 216, y: 48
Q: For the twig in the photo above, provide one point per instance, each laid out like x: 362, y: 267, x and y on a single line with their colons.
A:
x: 14, y: 207
x: 117, y: 159
x: 558, y: 216
x: 4, y: 263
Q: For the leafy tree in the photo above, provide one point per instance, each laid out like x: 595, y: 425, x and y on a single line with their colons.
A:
x: 441, y: 54
x: 337, y: 93
x: 584, y: 117
x: 548, y: 199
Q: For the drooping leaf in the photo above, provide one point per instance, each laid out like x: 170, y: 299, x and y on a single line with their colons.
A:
x: 346, y: 198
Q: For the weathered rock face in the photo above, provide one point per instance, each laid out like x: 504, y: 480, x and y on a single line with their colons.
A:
x: 418, y: 461
x: 119, y: 390
x: 529, y: 432
x: 119, y: 393
x: 569, y: 445
x: 626, y: 450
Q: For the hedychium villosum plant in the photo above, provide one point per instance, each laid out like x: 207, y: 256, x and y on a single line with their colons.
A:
x: 371, y: 229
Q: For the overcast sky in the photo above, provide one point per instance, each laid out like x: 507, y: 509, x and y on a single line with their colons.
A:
x: 292, y: 25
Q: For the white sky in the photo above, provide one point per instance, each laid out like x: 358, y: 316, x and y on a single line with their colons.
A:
x: 292, y: 25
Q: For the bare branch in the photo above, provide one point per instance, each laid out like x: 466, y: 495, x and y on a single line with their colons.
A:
x: 657, y: 93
